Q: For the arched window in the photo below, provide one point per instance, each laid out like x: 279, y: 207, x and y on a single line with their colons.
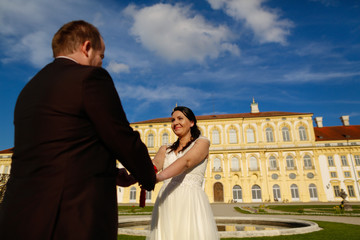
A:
x: 285, y: 134
x: 215, y: 137
x: 276, y: 192
x: 250, y: 135
x: 165, y: 139
x: 132, y: 194
x: 237, y: 193
x: 256, y: 193
x: 232, y: 136
x: 307, y: 162
x: 313, y: 192
x: 235, y: 164
x: 269, y: 135
x: 253, y: 164
x: 290, y: 162
x: 294, y: 192
x: 217, y: 165
x: 151, y: 140
x: 272, y: 163
x: 302, y: 133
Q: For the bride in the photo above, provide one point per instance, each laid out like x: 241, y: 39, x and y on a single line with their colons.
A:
x: 182, y: 210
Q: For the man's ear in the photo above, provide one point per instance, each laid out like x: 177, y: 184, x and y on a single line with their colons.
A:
x: 85, y: 48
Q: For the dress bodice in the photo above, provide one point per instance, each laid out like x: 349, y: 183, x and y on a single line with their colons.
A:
x: 192, y: 177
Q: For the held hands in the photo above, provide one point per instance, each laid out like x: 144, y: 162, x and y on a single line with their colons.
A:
x: 124, y: 179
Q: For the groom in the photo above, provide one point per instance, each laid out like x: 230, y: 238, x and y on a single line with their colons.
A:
x: 70, y: 128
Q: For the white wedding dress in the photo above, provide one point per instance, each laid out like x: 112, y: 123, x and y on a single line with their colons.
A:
x: 182, y: 210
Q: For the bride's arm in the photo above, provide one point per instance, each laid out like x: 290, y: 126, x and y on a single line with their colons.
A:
x: 192, y: 158
x: 159, y: 158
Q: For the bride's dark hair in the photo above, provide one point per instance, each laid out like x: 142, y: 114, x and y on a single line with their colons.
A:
x: 194, y: 130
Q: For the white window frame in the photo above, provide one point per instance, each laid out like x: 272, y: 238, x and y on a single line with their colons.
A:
x: 313, y: 192
x: 276, y: 192
x: 302, y: 133
x: 165, y: 138
x: 269, y: 134
x: 256, y: 193
x: 286, y: 134
x: 294, y: 192
x: 215, y: 136
x: 150, y: 139
x: 237, y: 193
x: 232, y: 136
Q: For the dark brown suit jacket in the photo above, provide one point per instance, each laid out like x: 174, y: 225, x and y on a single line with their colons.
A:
x: 70, y: 128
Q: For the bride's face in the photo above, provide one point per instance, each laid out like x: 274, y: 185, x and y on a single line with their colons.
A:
x: 180, y: 124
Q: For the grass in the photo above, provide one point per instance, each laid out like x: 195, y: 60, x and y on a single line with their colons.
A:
x: 331, y: 231
x: 311, y: 209
x: 134, y: 210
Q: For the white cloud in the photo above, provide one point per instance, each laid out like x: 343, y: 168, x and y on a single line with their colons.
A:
x: 162, y: 93
x: 264, y: 22
x: 328, y: 3
x: 307, y: 76
x: 115, y: 67
x: 176, y: 33
x: 27, y: 27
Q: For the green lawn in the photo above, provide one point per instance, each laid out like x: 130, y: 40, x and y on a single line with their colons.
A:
x: 331, y: 231
x: 308, y: 209
x: 131, y: 210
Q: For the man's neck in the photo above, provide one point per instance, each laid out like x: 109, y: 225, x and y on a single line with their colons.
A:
x: 67, y: 58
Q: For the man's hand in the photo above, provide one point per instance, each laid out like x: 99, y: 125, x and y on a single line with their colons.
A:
x: 124, y: 179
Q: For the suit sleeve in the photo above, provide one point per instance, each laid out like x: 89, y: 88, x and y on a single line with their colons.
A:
x: 103, y: 106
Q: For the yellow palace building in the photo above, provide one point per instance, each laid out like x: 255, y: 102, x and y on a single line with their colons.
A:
x: 266, y: 157
x: 262, y: 157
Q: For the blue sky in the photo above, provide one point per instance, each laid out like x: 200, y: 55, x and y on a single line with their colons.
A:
x: 213, y: 56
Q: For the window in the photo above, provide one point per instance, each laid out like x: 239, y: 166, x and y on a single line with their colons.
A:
x: 294, y: 192
x: 285, y: 134
x: 250, y: 135
x: 344, y: 161
x: 215, y: 137
x: 333, y: 174
x: 330, y: 161
x: 351, y: 190
x: 237, y: 193
x: 132, y: 194
x: 253, y: 164
x: 235, y: 164
x: 272, y: 163
x: 217, y: 165
x: 6, y: 169
x: 337, y: 191
x: 302, y: 133
x: 307, y: 162
x: 151, y: 140
x: 290, y: 162
x: 232, y: 136
x: 347, y: 174
x: 357, y: 160
x: 276, y: 192
x: 313, y: 192
x: 165, y: 139
x: 256, y: 193
x: 269, y: 135
x: 148, y: 196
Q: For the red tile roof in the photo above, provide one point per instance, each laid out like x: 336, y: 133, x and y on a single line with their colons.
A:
x: 337, y: 133
x: 10, y: 150
x: 231, y: 115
